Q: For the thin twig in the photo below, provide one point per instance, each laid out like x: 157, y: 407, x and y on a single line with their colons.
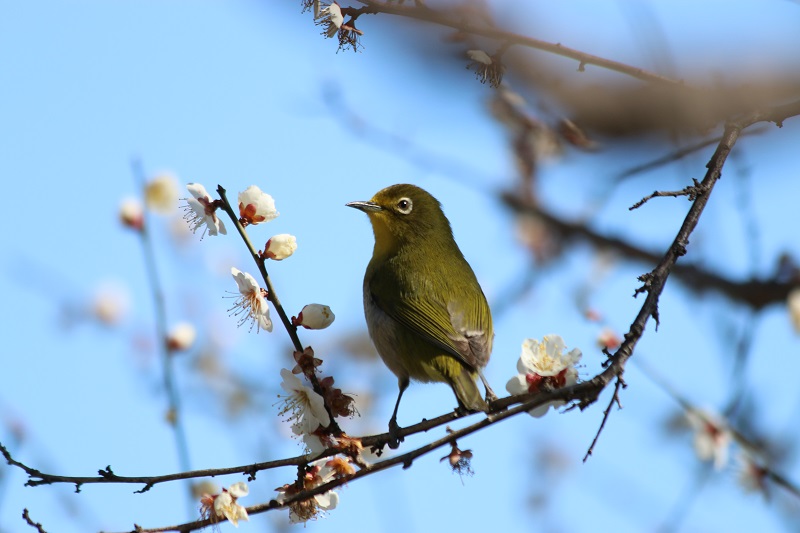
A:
x: 272, y: 296
x: 28, y: 520
x: 690, y: 191
x: 106, y: 475
x: 606, y: 413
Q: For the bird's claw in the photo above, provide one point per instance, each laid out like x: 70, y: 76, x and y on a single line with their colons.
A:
x: 394, y: 434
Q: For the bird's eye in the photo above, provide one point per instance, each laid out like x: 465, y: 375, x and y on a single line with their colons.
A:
x: 404, y: 205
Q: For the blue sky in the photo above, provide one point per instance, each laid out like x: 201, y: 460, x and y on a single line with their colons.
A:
x: 235, y: 93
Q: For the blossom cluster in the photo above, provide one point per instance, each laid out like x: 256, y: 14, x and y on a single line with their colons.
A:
x: 255, y: 207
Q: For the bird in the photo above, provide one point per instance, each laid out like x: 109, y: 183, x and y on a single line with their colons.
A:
x: 425, y: 310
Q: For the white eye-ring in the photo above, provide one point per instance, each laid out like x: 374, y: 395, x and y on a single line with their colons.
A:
x: 404, y: 205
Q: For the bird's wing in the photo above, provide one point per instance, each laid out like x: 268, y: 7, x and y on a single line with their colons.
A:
x: 444, y: 324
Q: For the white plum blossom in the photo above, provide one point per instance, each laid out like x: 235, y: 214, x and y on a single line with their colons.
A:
x: 201, y: 211
x: 181, y: 337
x: 252, y: 303
x: 224, y: 505
x: 304, y: 407
x: 544, y: 366
x: 302, y: 511
x: 279, y: 247
x: 161, y: 193
x: 314, y: 445
x: 314, y: 316
x: 712, y: 438
x: 480, y: 56
x: 256, y: 206
x: 331, y: 18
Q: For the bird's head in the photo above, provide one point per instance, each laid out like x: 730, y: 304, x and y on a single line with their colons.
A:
x: 404, y: 214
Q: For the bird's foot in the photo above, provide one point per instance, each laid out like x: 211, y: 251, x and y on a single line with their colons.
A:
x: 490, y: 396
x: 394, y: 434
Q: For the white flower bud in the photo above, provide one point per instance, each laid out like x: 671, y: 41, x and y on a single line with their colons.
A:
x: 256, y: 206
x: 279, y: 247
x: 315, y: 316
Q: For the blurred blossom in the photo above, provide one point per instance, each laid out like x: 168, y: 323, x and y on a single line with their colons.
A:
x: 608, y: 339
x: 303, y: 407
x: 161, y: 193
x: 314, y: 316
x: 574, y: 135
x: 110, y: 303
x: 330, y: 16
x: 181, y: 337
x: 224, y: 505
x: 536, y: 236
x: 507, y: 107
x: 279, y: 247
x: 486, y: 67
x: 256, y: 206
x: 201, y: 211
x: 544, y: 366
x: 793, y: 303
x: 131, y: 213
x: 204, y: 488
x: 752, y: 476
x: 711, y: 436
x: 253, y: 302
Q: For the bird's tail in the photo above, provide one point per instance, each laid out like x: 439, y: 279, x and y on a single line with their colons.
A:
x: 465, y: 387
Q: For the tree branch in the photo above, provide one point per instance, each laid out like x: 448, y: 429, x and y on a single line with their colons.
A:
x: 426, y: 14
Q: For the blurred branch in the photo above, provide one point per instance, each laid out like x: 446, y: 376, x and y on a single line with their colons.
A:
x: 173, y: 412
x: 756, y: 293
x: 744, y: 441
x: 487, y: 30
x: 677, y: 155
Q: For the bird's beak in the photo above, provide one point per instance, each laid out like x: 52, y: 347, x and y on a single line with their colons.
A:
x: 367, y: 207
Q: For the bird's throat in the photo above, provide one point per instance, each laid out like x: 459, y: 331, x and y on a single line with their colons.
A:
x: 386, y: 243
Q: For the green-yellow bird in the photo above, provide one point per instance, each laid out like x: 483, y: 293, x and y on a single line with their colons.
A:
x: 425, y: 311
